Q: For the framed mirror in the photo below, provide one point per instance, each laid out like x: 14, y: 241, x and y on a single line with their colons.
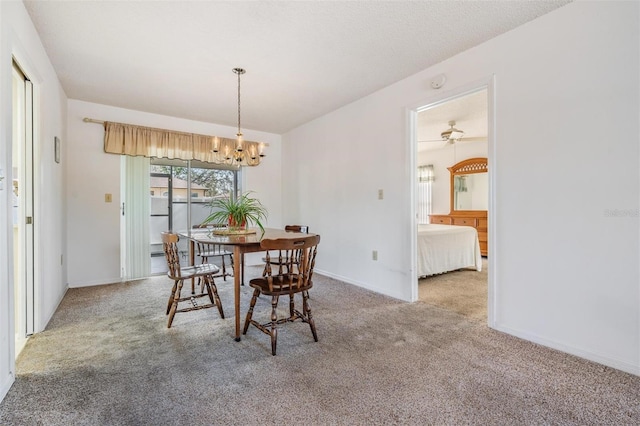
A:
x: 469, y: 185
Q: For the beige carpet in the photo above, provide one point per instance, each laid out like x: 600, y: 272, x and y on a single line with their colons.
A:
x: 463, y: 291
x: 107, y: 358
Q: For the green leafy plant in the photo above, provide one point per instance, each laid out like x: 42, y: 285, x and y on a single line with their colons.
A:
x: 237, y: 212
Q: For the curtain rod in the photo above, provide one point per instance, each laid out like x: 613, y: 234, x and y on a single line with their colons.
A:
x: 91, y: 120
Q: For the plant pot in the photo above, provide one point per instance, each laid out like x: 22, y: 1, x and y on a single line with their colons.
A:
x: 234, y: 226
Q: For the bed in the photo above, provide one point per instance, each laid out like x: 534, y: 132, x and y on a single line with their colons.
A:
x: 444, y: 248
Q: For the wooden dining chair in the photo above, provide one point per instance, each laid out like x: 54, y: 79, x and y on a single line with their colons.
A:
x: 280, y: 258
x: 207, y: 250
x: 285, y: 279
x: 179, y: 274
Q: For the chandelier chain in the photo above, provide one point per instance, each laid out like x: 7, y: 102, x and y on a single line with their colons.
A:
x: 238, y: 102
x: 239, y: 71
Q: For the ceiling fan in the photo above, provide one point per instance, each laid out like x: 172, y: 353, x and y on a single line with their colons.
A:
x: 452, y: 135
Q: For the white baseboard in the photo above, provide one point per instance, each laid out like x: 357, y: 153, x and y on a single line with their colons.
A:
x: 45, y: 321
x: 6, y: 385
x: 381, y: 290
x: 600, y: 359
x: 94, y: 283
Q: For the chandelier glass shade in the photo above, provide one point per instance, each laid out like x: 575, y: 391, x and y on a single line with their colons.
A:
x: 237, y: 152
x: 226, y: 151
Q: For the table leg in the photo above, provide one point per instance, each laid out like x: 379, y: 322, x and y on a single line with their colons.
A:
x: 192, y: 262
x: 237, y: 266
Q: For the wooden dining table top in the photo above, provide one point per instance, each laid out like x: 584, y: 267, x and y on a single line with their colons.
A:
x: 208, y: 235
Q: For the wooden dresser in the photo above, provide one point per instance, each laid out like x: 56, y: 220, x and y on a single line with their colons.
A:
x: 477, y: 219
x: 464, y: 214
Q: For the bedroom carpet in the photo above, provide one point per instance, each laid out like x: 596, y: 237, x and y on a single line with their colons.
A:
x: 107, y: 358
x: 463, y: 291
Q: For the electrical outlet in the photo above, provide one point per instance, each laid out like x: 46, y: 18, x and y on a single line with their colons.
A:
x: 107, y: 198
x: 380, y: 194
x: 375, y: 255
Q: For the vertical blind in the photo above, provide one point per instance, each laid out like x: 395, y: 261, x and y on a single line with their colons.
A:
x: 137, y: 206
x: 425, y: 179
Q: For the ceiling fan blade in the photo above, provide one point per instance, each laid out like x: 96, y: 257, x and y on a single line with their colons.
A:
x: 432, y: 141
x: 473, y: 139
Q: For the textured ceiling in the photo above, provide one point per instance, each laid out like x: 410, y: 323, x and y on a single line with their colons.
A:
x: 303, y: 58
x: 470, y: 113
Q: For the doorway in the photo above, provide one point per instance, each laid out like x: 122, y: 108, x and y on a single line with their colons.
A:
x: 22, y: 186
x: 180, y: 194
x: 448, y: 131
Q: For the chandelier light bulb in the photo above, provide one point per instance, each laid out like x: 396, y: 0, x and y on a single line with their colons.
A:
x: 240, y: 143
x: 226, y: 153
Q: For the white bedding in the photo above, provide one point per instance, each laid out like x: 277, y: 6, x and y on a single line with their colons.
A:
x: 444, y: 248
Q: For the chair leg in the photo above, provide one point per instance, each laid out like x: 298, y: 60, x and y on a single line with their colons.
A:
x: 200, y: 280
x: 242, y: 271
x: 247, y: 320
x: 174, y: 305
x: 231, y: 265
x: 274, y: 321
x: 173, y: 292
x: 211, y: 287
x: 224, y: 268
x: 306, y: 310
x: 234, y: 269
x: 206, y: 284
x: 292, y: 310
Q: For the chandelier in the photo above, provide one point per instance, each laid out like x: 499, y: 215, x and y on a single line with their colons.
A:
x: 237, y: 152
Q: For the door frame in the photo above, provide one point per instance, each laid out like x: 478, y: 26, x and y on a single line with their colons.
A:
x: 487, y: 83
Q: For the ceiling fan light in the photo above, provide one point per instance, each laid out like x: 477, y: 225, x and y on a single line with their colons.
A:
x: 456, y: 134
x: 452, y: 133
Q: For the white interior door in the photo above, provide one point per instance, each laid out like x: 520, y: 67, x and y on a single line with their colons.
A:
x: 22, y: 188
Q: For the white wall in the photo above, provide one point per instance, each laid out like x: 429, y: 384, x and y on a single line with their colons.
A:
x: 94, y: 226
x: 19, y: 39
x: 565, y: 272
x: 565, y: 174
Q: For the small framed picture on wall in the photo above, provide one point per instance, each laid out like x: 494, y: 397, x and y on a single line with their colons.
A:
x: 56, y: 149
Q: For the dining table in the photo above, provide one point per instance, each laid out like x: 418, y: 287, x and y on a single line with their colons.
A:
x: 241, y: 243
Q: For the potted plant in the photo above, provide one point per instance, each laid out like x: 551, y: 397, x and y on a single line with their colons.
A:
x: 237, y: 212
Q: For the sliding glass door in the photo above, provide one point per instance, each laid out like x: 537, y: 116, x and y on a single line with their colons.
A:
x: 180, y: 194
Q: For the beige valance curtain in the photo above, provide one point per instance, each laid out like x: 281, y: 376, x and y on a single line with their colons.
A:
x: 127, y: 139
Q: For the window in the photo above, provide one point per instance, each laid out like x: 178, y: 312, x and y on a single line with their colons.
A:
x: 425, y: 180
x: 186, y: 194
